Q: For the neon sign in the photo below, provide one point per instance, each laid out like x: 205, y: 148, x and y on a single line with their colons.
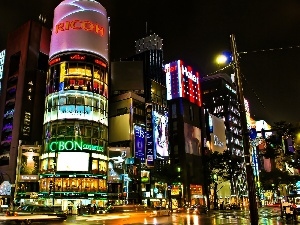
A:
x: 100, y: 63
x: 189, y: 74
x: 77, y: 57
x: 53, y: 61
x: 182, y: 82
x: 73, y: 146
x: 80, y: 25
x: 2, y: 57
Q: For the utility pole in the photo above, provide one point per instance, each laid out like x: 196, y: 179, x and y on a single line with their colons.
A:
x: 246, y: 141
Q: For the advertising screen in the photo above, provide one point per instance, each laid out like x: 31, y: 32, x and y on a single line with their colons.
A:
x: 73, y: 161
x: 182, y: 82
x: 145, y: 176
x: 139, y: 142
x: 81, y: 26
x: 160, y: 135
x: 192, y: 137
x: 217, y: 134
x: 116, y: 161
x: 29, y: 162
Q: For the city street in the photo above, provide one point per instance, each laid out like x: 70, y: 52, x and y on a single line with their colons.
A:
x: 268, y: 216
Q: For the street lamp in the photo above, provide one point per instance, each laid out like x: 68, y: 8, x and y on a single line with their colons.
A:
x: 246, y: 142
x: 244, y: 128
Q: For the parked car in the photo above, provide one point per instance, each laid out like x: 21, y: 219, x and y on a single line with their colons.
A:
x: 26, y: 210
x: 161, y: 211
x: 102, y: 210
x: 200, y: 209
x: 183, y: 209
x: 235, y: 206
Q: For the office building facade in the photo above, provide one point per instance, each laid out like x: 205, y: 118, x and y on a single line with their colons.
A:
x: 22, y: 106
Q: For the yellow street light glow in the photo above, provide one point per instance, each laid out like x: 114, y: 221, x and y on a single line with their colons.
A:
x: 221, y: 59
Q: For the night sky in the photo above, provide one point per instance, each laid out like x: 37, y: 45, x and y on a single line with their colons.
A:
x: 196, y: 31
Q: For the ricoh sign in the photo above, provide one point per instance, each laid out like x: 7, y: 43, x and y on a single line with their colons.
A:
x: 80, y: 26
x: 182, y: 82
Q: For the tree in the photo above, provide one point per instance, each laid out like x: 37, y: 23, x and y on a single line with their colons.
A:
x: 222, y: 167
x: 168, y: 173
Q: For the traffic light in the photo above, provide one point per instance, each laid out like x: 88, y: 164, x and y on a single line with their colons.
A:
x: 50, y: 186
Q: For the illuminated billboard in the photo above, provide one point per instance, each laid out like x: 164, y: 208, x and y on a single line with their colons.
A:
x: 192, y: 138
x: 76, y: 105
x: 182, y: 82
x: 145, y: 176
x: 139, y: 142
x: 29, y: 169
x: 73, y: 145
x: 160, y: 135
x: 80, y: 26
x: 116, y: 161
x: 217, y: 134
x: 2, y: 60
x: 73, y: 161
x: 149, y: 136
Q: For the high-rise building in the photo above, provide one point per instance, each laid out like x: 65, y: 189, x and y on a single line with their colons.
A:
x: 187, y: 133
x: 220, y: 100
x: 74, y: 166
x: 22, y: 105
x: 140, y: 105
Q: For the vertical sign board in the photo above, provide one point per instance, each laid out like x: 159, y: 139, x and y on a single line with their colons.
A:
x: 139, y: 142
x: 149, y: 133
x: 2, y: 58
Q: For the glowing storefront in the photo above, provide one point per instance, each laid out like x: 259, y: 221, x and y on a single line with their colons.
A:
x: 74, y: 158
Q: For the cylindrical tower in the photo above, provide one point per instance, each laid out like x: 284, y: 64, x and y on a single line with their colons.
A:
x: 74, y: 159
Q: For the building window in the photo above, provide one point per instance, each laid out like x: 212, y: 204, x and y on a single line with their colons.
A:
x: 191, y: 111
x: 174, y: 111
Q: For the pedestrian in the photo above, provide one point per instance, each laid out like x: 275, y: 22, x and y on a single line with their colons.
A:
x: 70, y: 209
x: 78, y: 209
x: 95, y: 208
x: 295, y: 212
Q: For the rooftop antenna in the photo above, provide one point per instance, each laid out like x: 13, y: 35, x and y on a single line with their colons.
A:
x: 146, y: 28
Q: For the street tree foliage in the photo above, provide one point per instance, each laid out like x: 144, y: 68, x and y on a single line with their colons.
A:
x: 271, y: 180
x: 273, y: 150
x: 167, y: 173
x: 225, y: 165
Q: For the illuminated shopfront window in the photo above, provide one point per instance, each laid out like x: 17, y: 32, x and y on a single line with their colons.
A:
x: 77, y: 76
x: 76, y: 105
x: 74, y: 184
x: 90, y: 136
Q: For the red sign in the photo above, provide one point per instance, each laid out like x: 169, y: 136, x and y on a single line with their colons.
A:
x: 99, y: 62
x: 77, y: 57
x: 80, y: 25
x: 53, y: 61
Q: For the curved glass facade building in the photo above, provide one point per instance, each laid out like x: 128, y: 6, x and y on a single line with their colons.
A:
x: 74, y: 159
